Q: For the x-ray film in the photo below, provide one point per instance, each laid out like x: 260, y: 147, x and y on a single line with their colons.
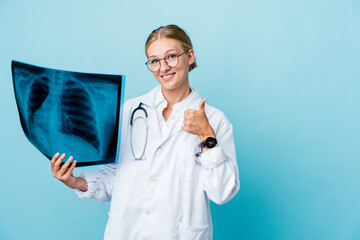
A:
x: 70, y: 112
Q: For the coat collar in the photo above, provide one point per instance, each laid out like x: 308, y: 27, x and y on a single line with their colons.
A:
x: 149, y: 98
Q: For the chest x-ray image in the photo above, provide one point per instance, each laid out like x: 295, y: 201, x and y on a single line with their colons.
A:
x: 71, y: 112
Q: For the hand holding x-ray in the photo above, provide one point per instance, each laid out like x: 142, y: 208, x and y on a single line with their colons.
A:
x: 64, y: 172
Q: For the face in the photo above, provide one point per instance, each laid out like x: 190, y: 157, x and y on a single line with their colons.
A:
x: 171, y: 78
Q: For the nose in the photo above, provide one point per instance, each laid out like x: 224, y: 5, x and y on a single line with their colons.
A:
x: 163, y: 66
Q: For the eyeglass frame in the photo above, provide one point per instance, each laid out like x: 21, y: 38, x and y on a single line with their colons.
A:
x: 148, y: 66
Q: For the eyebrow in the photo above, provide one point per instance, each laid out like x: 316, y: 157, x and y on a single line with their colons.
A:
x: 165, y: 52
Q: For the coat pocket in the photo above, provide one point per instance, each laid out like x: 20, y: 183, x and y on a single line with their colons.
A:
x: 186, y: 232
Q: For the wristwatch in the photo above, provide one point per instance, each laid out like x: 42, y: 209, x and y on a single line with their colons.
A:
x: 210, y: 142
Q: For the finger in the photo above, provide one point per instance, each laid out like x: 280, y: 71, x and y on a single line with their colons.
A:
x: 190, y: 111
x: 58, y: 162
x: 184, y: 128
x: 202, y: 105
x: 193, y: 128
x: 70, y: 170
x: 53, y: 160
x: 189, y: 129
x: 188, y: 117
x: 64, y: 167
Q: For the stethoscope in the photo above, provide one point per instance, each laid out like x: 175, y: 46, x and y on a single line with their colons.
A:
x: 132, y: 121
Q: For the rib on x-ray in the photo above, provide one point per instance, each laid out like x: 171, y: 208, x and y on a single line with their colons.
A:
x: 69, y: 112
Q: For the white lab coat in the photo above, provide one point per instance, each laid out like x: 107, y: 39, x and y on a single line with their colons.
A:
x: 167, y: 195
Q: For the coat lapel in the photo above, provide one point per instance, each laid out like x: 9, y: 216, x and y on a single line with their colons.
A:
x: 152, y: 120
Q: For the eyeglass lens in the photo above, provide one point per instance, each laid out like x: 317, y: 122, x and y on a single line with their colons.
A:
x: 171, y: 61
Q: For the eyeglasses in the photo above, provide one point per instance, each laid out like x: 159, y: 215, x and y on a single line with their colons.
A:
x: 171, y: 60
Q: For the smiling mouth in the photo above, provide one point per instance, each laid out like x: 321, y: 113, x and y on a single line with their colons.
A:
x: 168, y: 76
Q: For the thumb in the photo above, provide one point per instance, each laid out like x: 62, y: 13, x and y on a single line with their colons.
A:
x: 202, y: 105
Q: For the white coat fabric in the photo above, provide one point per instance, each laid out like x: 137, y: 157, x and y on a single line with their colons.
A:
x: 166, y: 196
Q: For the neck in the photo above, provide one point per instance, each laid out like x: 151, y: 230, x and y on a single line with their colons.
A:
x: 175, y: 96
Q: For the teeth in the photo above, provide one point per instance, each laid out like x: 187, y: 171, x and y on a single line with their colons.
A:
x: 167, y: 75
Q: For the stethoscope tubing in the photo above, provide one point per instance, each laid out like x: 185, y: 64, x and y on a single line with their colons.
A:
x: 146, y: 139
x: 132, y: 120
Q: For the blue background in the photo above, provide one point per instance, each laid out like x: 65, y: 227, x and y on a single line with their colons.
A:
x: 286, y: 73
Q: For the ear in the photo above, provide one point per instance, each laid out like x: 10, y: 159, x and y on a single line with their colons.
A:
x: 191, y: 58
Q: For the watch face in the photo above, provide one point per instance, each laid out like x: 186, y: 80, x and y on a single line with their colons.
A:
x: 210, y: 142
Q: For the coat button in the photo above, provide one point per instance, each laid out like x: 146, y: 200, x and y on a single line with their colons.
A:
x: 153, y: 179
x: 147, y: 211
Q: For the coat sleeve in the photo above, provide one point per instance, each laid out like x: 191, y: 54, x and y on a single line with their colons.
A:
x: 100, y: 184
x: 219, y: 171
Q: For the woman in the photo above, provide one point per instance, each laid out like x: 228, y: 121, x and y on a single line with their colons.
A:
x: 166, y: 195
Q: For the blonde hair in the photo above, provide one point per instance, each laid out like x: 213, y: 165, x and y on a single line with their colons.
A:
x: 172, y: 32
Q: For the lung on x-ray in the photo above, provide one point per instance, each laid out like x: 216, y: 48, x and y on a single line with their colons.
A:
x: 70, y: 112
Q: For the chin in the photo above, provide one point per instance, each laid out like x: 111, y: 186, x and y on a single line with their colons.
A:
x: 168, y: 87
x: 171, y: 85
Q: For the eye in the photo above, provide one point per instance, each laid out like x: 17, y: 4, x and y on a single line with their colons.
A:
x: 154, y: 61
x: 172, y: 56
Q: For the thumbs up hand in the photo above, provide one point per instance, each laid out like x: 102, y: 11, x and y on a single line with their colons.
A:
x: 196, y: 122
